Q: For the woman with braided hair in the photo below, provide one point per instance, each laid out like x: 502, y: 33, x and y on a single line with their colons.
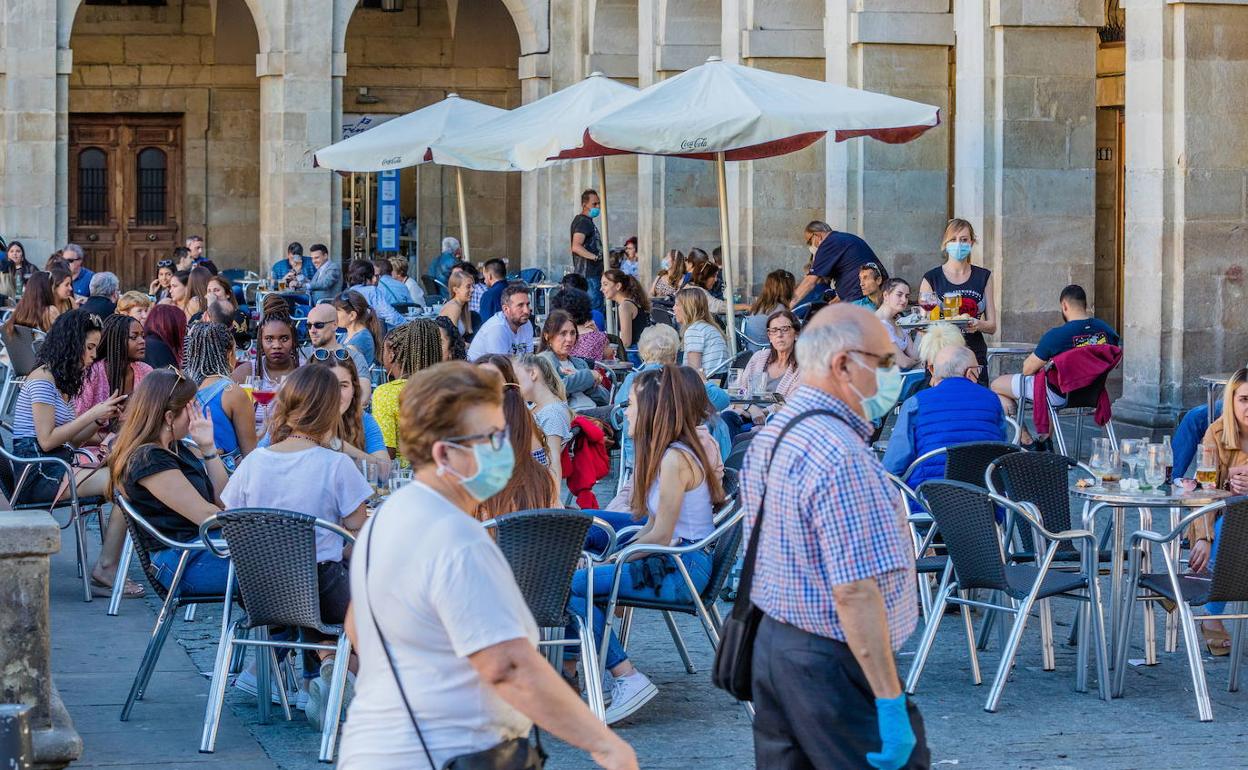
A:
x: 209, y: 362
x: 408, y: 348
x: 118, y: 367
x: 279, y: 353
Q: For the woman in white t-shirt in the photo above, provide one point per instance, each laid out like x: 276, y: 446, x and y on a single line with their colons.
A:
x: 430, y: 582
x: 706, y: 349
x: 299, y: 472
x: 540, y: 386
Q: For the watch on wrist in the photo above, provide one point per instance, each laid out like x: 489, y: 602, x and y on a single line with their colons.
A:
x: 335, y: 444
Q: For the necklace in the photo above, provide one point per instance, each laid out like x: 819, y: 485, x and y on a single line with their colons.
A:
x: 305, y: 437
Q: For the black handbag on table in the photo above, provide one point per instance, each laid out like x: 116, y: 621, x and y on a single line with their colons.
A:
x: 514, y: 754
x: 734, y: 666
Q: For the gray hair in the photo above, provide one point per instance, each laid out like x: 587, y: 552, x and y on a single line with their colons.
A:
x: 937, y: 338
x: 450, y: 244
x: 658, y: 342
x: 74, y: 248
x: 952, y: 362
x: 819, y: 343
x: 104, y: 285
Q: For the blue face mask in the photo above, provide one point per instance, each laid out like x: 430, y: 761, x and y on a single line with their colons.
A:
x: 959, y: 252
x: 888, y: 384
x: 494, y: 467
x: 594, y: 212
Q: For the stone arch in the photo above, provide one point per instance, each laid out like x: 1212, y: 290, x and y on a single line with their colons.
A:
x: 67, y: 11
x: 524, y: 13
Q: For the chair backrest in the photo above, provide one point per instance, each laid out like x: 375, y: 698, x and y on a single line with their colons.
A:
x: 723, y: 556
x: 1230, y: 572
x: 662, y: 315
x: 8, y: 474
x: 1039, y: 478
x: 432, y: 288
x: 532, y: 275
x: 736, y: 458
x: 968, y: 462
x: 742, y: 359
x: 966, y: 519
x: 274, y: 555
x: 141, y: 541
x: 543, y: 548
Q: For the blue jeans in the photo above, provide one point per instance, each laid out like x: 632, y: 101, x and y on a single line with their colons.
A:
x: 1215, y: 608
x: 1187, y: 436
x: 595, y: 292
x: 205, y: 574
x: 596, y: 540
x: 672, y: 589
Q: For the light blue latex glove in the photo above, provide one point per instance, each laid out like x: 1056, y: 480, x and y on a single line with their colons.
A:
x: 896, y: 735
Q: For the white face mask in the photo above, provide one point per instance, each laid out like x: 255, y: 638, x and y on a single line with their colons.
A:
x: 813, y: 249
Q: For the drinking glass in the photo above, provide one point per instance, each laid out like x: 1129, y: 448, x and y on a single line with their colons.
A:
x: 1155, y: 466
x: 1111, y: 463
x: 952, y: 305
x: 758, y: 387
x: 371, y: 471
x: 399, y: 478
x: 1207, y: 466
x: 734, y: 379
x: 1098, y: 463
x: 929, y: 302
x: 1132, y: 451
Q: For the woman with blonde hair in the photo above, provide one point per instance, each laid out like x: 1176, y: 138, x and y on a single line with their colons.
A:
x: 971, y: 284
x: 671, y: 274
x: 532, y: 485
x: 456, y: 308
x: 706, y: 348
x: 541, y: 386
x: 135, y: 304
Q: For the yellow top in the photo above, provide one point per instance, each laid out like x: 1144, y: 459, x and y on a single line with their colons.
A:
x: 386, y: 411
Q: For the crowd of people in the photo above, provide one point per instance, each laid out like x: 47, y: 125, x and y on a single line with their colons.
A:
x: 489, y: 408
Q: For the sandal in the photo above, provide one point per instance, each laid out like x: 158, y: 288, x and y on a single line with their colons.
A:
x: 131, y: 590
x: 1218, y: 642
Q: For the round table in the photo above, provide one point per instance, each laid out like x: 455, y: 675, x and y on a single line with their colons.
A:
x: 1212, y: 383
x: 1009, y: 349
x: 1096, y: 499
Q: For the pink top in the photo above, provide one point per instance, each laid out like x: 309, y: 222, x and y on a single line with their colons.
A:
x: 788, y: 381
x: 591, y: 345
x: 95, y: 388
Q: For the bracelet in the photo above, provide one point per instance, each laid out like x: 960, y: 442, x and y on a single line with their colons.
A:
x: 212, y: 456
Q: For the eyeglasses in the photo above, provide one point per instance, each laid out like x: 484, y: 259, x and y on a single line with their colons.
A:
x: 73, y: 259
x: 318, y: 325
x: 776, y: 331
x: 885, y: 361
x: 497, y: 439
x: 321, y: 354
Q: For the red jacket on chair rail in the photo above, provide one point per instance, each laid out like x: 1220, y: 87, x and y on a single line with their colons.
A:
x: 585, y: 460
x: 1074, y: 370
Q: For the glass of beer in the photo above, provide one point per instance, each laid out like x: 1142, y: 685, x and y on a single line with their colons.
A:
x: 1207, y: 467
x: 952, y: 305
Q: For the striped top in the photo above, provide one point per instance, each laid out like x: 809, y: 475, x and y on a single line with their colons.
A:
x: 39, y: 392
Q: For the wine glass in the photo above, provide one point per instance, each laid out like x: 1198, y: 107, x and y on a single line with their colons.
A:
x: 928, y: 301
x: 1098, y: 463
x: 1155, y: 466
x: 1132, y: 452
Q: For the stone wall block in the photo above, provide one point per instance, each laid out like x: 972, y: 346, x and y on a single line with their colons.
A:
x: 97, y: 49
x: 160, y: 49
x: 1213, y: 194
x: 1053, y: 53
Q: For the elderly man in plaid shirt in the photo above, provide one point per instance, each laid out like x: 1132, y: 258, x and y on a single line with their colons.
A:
x: 835, y: 570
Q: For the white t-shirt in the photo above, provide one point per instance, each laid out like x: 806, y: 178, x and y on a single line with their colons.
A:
x: 318, y: 481
x: 443, y: 591
x: 496, y: 337
x: 703, y: 338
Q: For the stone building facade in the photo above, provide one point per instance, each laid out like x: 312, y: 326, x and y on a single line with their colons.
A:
x: 1101, y: 142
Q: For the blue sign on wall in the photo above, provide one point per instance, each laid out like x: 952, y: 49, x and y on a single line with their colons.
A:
x: 388, y: 211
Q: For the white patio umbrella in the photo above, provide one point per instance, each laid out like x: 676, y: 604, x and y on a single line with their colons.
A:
x: 405, y: 140
x: 541, y: 133
x: 721, y: 111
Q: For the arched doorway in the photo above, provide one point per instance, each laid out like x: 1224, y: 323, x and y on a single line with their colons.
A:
x: 164, y: 134
x: 401, y: 61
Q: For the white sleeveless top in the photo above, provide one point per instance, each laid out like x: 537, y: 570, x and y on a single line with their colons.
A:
x: 696, y: 519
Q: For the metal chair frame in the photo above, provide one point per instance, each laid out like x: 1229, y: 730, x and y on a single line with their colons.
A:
x: 1079, y: 413
x: 1139, y: 542
x: 229, y: 640
x: 1020, y: 609
x: 172, y: 600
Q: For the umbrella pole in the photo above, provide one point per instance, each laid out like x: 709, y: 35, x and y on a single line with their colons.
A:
x: 721, y: 175
x: 463, y: 213
x: 608, y: 308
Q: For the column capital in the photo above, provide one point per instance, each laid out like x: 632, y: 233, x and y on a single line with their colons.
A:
x: 782, y: 44
x: 535, y: 65
x: 1050, y: 13
x: 900, y: 28
x: 270, y: 64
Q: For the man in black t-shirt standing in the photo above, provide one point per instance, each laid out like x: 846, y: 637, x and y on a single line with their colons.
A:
x: 836, y: 258
x: 587, y: 246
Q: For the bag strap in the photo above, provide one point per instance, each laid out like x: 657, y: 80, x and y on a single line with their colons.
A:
x: 742, y: 605
x: 394, y: 671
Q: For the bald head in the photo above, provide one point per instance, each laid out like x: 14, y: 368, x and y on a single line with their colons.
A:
x: 953, y: 362
x: 324, y: 336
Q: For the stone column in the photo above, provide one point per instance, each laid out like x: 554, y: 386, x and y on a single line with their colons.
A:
x: 297, y: 90
x: 1187, y: 225
x: 1026, y: 147
x: 27, y: 539
x: 29, y: 66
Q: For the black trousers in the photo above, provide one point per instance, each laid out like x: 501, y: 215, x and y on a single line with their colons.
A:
x: 814, y: 707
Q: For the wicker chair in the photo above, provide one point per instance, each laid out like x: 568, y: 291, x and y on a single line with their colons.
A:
x: 142, y: 536
x: 273, y: 557
x: 1229, y: 583
x: 966, y: 516
x: 14, y: 472
x: 543, y: 548
x: 1042, y: 479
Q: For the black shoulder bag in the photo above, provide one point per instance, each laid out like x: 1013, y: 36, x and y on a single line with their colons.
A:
x: 515, y: 754
x: 734, y: 666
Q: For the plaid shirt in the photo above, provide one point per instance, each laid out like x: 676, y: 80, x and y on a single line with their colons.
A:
x: 831, y: 518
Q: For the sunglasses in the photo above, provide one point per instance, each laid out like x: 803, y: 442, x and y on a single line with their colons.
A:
x: 164, y: 263
x: 321, y: 354
x: 318, y: 325
x: 176, y: 382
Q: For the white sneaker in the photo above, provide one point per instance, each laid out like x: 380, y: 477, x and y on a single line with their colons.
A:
x: 607, y: 683
x: 246, y: 682
x: 629, y: 694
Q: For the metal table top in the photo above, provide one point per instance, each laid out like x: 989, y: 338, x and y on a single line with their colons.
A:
x: 1011, y: 349
x: 1114, y: 496
x: 1216, y: 379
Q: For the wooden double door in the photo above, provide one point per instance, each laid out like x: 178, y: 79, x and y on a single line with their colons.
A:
x: 125, y: 192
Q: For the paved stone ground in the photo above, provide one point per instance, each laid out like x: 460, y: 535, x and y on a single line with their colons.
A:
x: 1042, y: 721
